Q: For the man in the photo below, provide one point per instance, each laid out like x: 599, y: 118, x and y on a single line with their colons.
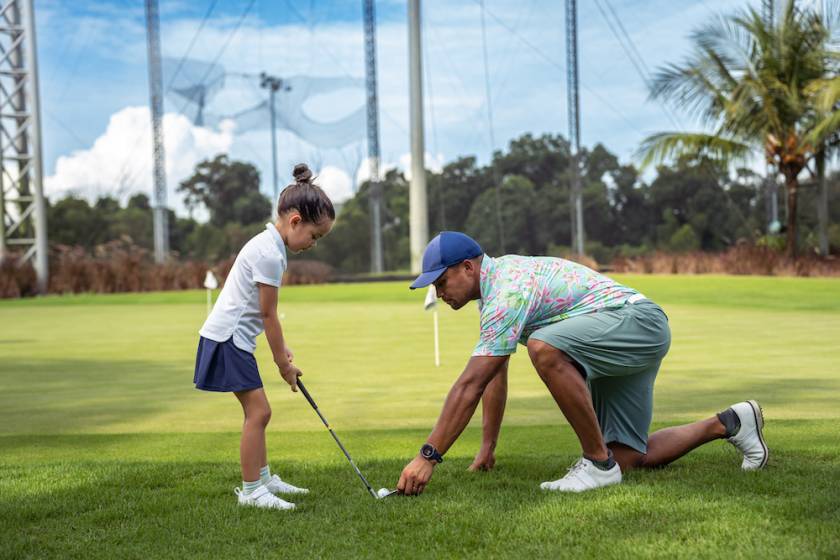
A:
x: 597, y: 345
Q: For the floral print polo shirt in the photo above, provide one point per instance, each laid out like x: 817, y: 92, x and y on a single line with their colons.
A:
x: 520, y: 295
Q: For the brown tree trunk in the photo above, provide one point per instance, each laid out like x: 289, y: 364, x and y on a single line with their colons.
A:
x: 792, y: 185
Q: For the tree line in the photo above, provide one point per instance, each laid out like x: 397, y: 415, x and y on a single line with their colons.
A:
x: 694, y: 204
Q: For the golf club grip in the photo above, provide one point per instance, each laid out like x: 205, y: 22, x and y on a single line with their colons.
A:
x: 306, y: 394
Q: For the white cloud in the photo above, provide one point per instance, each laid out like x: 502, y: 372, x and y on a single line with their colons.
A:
x: 120, y: 161
x: 335, y: 182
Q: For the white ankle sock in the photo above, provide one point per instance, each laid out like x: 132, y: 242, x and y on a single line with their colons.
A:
x: 265, y: 474
x: 248, y: 487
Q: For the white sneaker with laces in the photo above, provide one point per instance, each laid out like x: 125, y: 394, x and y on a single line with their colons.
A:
x: 262, y: 498
x: 276, y: 485
x: 750, y: 440
x: 582, y: 476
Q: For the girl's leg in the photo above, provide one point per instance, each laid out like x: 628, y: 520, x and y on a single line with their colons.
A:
x: 252, y: 453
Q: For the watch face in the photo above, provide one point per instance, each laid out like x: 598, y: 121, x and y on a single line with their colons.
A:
x: 427, y: 451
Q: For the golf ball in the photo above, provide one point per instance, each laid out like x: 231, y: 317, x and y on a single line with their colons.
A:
x: 383, y: 492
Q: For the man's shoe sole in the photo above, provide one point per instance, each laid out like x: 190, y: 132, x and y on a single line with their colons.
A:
x: 758, y: 414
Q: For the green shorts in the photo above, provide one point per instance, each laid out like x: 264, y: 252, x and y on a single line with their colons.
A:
x: 620, y: 351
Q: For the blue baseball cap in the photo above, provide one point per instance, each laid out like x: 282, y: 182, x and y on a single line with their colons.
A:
x: 448, y: 248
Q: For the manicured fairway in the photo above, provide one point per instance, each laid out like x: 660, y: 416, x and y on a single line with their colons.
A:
x: 107, y: 451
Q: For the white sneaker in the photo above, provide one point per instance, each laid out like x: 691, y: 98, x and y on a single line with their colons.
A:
x: 750, y: 440
x: 584, y: 475
x: 276, y: 485
x: 262, y: 498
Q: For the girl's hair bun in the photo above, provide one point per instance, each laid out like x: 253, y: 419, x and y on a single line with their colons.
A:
x: 302, y: 173
x: 306, y: 197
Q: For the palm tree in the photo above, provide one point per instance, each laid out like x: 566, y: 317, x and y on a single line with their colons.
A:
x: 769, y: 89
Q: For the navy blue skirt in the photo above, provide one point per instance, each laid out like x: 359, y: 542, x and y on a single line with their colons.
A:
x: 221, y: 366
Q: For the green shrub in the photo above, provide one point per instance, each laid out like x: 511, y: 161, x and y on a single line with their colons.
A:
x: 684, y: 240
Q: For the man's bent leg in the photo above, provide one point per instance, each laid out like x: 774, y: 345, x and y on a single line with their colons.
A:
x: 667, y: 445
x: 569, y: 390
x: 741, y: 424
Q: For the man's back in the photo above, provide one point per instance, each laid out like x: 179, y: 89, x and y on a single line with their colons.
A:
x: 522, y: 294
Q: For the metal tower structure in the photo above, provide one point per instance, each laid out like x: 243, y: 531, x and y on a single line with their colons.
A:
x: 23, y: 215
x: 272, y: 84
x: 161, y: 216
x: 417, y: 201
x: 376, y: 261
x: 573, y: 100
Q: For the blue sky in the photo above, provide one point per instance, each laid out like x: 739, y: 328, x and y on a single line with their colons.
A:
x: 94, y: 80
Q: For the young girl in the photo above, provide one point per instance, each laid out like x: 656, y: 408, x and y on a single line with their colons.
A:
x: 246, y: 306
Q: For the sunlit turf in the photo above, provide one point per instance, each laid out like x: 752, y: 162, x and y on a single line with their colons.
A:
x: 107, y: 451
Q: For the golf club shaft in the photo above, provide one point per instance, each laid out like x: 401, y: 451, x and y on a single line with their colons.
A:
x: 335, y: 437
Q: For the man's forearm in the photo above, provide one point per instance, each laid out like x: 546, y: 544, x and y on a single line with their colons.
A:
x: 457, y: 411
x: 493, y: 410
x: 461, y: 402
x: 274, y: 335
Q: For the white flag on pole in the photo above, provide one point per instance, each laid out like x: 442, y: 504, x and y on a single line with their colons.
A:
x: 211, y: 284
x: 431, y: 298
x: 210, y: 281
x: 431, y: 304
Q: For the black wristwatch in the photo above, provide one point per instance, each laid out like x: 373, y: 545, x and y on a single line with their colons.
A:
x: 430, y: 453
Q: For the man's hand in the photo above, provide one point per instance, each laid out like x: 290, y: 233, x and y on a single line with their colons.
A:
x: 415, y: 476
x: 290, y: 374
x: 457, y: 411
x: 484, y: 460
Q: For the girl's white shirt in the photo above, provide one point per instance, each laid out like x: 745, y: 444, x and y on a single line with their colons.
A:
x: 237, y: 310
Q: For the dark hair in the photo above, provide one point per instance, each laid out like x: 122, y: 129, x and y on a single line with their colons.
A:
x: 306, y: 197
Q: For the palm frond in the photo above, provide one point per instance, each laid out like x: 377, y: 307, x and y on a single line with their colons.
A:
x: 826, y: 93
x: 689, y: 86
x: 733, y: 39
x: 824, y: 129
x: 663, y: 146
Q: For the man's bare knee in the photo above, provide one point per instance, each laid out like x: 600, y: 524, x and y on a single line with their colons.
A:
x: 546, y: 358
x: 627, y: 457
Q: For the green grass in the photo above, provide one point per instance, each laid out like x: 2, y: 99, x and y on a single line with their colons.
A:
x: 766, y: 292
x: 107, y: 451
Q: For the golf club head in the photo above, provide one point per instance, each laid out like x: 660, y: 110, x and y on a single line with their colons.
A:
x: 385, y: 493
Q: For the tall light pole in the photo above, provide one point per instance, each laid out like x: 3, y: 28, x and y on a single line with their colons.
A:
x: 418, y: 209
x: 575, y: 196
x: 500, y: 226
x: 160, y: 216
x: 376, y: 261
x: 770, y: 184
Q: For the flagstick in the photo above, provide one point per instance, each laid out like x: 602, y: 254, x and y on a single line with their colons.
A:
x: 210, y: 283
x: 437, y: 345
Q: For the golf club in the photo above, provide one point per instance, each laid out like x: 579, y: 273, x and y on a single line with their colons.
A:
x: 383, y: 492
